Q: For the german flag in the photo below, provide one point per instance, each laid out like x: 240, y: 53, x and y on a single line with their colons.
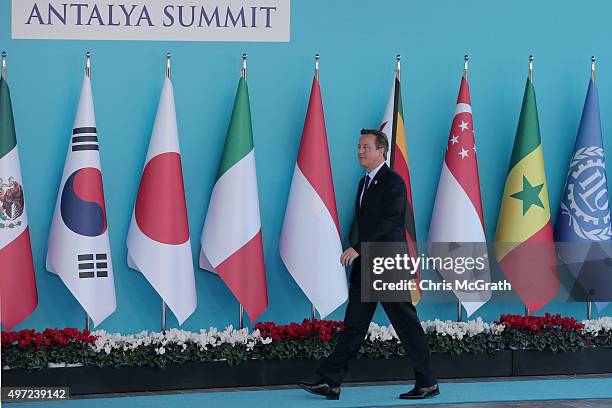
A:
x: 524, y: 244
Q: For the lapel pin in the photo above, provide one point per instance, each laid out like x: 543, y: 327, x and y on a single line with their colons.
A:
x: 375, y: 181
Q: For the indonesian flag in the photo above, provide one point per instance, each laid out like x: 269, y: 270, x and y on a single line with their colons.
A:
x: 397, y: 159
x: 231, y: 237
x: 457, y: 214
x: 158, y: 239
x: 310, y: 243
x: 524, y: 244
x: 78, y: 249
x: 17, y: 278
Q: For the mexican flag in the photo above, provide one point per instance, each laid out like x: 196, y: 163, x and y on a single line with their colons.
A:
x: 231, y: 238
x: 17, y: 281
x: 524, y: 244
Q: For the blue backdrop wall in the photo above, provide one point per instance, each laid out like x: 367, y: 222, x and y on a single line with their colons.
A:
x: 358, y: 42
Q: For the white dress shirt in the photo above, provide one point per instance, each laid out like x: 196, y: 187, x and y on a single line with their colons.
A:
x: 371, y: 174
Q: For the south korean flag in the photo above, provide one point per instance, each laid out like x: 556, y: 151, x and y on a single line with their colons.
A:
x: 78, y: 249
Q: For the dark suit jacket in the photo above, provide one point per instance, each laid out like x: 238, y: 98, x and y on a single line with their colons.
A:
x: 382, y: 215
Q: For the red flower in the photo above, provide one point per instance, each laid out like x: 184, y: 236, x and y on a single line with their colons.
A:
x: 324, y: 329
x: 544, y: 323
x: 48, y: 337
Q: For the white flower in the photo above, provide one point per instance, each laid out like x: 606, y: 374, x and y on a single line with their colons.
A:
x: 595, y: 326
x: 213, y: 337
x: 381, y: 333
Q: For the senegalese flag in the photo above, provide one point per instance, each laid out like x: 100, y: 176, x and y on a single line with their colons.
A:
x: 18, y: 293
x: 524, y: 244
x: 397, y: 159
x: 231, y: 238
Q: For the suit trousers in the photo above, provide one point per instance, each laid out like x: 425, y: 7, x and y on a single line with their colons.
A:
x: 357, y: 318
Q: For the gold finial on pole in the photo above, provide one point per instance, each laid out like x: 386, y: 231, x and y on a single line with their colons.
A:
x: 531, y: 68
x: 397, y: 69
x: 244, y: 59
x: 4, y: 65
x: 168, y: 56
x: 593, y: 68
x: 317, y: 58
x: 88, y: 64
x: 466, y: 58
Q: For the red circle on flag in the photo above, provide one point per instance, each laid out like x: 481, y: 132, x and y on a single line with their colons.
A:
x: 161, y: 212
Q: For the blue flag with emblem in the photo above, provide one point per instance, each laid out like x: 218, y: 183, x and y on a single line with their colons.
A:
x: 583, y: 226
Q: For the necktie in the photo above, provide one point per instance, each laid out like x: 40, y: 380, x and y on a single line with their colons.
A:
x: 366, y: 184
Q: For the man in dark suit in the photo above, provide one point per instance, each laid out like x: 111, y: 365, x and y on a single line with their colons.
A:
x: 380, y: 207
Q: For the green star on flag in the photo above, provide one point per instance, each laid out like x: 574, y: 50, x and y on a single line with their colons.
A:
x: 529, y: 196
x: 524, y: 243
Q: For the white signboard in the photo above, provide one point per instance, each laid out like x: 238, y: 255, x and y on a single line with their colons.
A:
x: 158, y: 20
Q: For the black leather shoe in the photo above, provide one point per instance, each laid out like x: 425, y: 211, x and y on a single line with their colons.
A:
x: 421, y: 393
x: 321, y: 387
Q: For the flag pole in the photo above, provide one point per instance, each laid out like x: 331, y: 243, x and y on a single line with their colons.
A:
x: 398, y: 58
x: 163, y: 309
x: 4, y: 65
x: 88, y: 74
x: 466, y: 59
x: 168, y: 56
x: 317, y: 58
x: 590, y: 303
x: 243, y: 73
x: 88, y: 64
x: 530, y: 80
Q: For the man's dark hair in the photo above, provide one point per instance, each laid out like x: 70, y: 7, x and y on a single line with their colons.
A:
x: 381, y: 141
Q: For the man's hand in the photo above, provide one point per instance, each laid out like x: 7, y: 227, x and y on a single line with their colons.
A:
x: 348, y: 257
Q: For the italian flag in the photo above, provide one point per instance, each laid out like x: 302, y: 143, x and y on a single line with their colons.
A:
x: 18, y: 292
x: 524, y: 244
x: 231, y: 237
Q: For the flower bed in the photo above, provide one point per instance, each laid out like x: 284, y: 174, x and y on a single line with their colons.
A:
x: 308, y: 340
